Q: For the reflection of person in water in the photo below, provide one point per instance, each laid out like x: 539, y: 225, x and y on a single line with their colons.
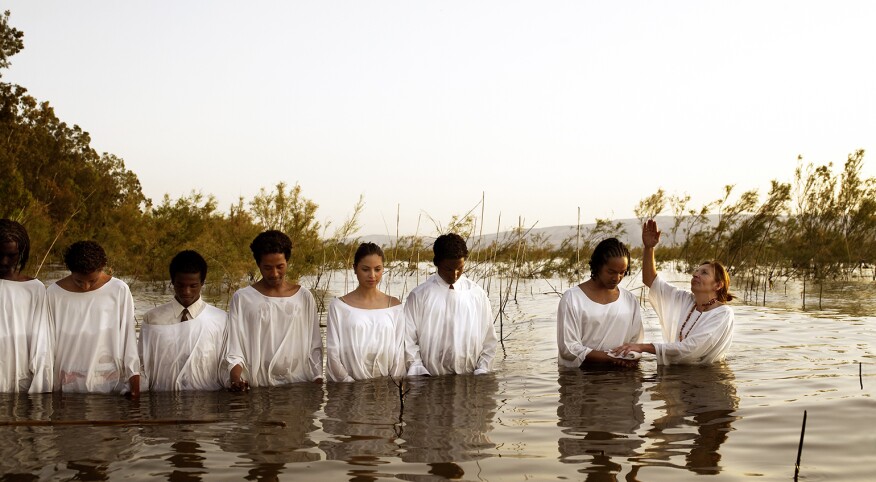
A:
x: 447, y: 419
x: 272, y: 429
x: 363, y: 417
x: 700, y: 404
x: 599, y: 414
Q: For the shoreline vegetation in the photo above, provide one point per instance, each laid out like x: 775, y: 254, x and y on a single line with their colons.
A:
x: 819, y: 226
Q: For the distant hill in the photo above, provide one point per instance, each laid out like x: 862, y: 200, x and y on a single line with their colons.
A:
x: 556, y: 234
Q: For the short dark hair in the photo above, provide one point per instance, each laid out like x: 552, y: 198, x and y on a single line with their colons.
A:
x: 449, y: 246
x: 13, y: 231
x: 367, y: 249
x: 84, y: 257
x: 188, y: 261
x: 270, y: 242
x: 606, y: 249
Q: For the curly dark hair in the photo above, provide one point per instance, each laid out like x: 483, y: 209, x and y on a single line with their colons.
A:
x: 188, y: 261
x: 270, y: 242
x: 449, y: 246
x: 367, y: 249
x: 606, y: 249
x: 85, y: 257
x: 13, y: 231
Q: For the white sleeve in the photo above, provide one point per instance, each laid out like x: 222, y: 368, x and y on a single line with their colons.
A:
x: 130, y: 356
x: 412, y: 347
x: 40, y: 346
x: 485, y: 359
x: 637, y: 337
x: 569, y: 338
x: 700, y: 342
x: 315, y: 358
x: 334, y: 367
x: 233, y: 349
x: 398, y: 364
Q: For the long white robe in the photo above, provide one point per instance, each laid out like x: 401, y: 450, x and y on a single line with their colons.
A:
x: 707, y: 335
x: 584, y: 325
x: 448, y: 331
x: 276, y: 340
x: 362, y: 343
x: 25, y: 342
x: 94, y: 338
x: 182, y: 355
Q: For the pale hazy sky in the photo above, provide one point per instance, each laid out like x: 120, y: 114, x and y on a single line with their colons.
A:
x: 544, y: 106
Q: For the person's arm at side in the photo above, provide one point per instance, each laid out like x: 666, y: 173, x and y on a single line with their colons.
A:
x: 233, y: 353
x: 488, y: 350
x: 129, y: 342
x: 650, y: 238
x: 315, y: 358
x: 412, y: 347
x: 334, y: 367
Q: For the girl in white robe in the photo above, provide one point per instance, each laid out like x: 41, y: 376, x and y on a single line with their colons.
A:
x: 365, y: 328
x: 25, y: 344
x: 184, y: 356
x: 273, y: 336
x: 598, y: 315
x: 697, y: 325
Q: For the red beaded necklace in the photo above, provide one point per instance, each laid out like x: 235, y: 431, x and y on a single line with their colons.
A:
x: 692, y: 308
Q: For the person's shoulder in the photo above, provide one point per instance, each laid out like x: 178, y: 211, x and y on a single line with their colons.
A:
x: 627, y: 294
x: 157, y: 311
x: 394, y: 302
x: 304, y: 293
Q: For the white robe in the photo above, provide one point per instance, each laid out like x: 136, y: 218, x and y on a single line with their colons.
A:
x: 94, y: 338
x: 25, y: 342
x: 182, y: 355
x: 276, y: 340
x: 448, y: 331
x: 584, y: 325
x: 707, y: 335
x: 363, y: 343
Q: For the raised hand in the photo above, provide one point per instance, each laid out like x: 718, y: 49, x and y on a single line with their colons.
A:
x: 650, y: 234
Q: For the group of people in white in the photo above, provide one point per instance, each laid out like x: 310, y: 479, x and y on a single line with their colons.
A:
x: 79, y: 335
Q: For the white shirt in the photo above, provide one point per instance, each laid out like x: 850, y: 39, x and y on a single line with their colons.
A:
x: 25, y: 341
x: 707, y: 335
x: 362, y: 343
x: 276, y: 340
x: 94, y: 338
x: 448, y: 330
x: 584, y: 325
x: 171, y: 313
x: 182, y: 355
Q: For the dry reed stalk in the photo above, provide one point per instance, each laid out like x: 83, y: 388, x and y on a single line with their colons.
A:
x: 800, y: 447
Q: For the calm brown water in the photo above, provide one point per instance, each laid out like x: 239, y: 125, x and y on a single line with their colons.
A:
x: 527, y: 421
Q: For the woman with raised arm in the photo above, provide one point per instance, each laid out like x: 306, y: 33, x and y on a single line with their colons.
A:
x: 697, y: 325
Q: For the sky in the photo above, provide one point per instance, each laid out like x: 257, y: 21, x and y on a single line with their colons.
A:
x: 540, y: 107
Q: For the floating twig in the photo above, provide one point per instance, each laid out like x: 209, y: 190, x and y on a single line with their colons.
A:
x: 800, y: 447
x: 861, y: 374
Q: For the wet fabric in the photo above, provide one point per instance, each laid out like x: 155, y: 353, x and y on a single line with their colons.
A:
x: 707, y: 335
x: 584, y: 325
x: 25, y: 342
x: 448, y: 330
x: 182, y: 355
x: 276, y: 340
x: 95, y: 344
x: 362, y: 343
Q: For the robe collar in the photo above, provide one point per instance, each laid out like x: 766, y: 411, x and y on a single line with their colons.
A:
x: 195, y: 308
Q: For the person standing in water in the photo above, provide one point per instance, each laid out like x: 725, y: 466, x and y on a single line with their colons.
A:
x: 364, y: 335
x: 91, y: 315
x: 272, y: 336
x: 448, y: 319
x: 697, y: 325
x: 25, y: 343
x: 598, y: 315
